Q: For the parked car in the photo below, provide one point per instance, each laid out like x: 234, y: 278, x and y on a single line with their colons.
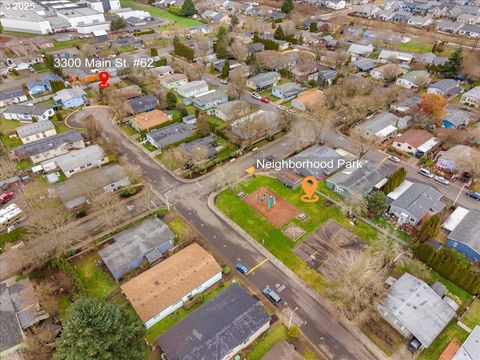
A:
x: 394, y: 159
x: 414, y: 345
x: 242, y: 268
x: 426, y: 173
x: 474, y: 195
x: 264, y: 100
x: 441, y: 180
x: 224, y: 81
x: 282, y: 107
x: 6, y: 197
x: 256, y: 96
x: 272, y: 296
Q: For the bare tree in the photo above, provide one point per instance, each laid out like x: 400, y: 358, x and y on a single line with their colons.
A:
x: 355, y: 204
x: 108, y: 208
x: 239, y: 50
x: 237, y: 82
x: 390, y: 72
x: 199, y: 153
x: 8, y: 168
x: 134, y: 171
x: 471, y: 164
x: 93, y: 128
x: 38, y: 340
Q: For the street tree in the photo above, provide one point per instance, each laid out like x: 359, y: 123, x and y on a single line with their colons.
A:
x: 203, y: 125
x: 95, y: 329
x: 279, y: 34
x: 117, y: 23
x: 171, y: 99
x: 313, y: 27
x: 239, y: 51
x: 108, y: 208
x: 237, y: 82
x: 433, y: 105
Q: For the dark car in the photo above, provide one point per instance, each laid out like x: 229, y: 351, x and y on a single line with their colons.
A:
x: 414, y: 345
x: 474, y: 195
x: 271, y: 295
x: 242, y: 268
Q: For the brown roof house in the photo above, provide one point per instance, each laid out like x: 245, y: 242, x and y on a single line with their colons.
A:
x: 161, y: 290
x: 414, y: 140
x: 309, y: 100
x: 147, y: 120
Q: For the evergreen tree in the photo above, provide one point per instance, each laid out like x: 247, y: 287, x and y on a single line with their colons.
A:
x: 57, y: 85
x: 225, y: 69
x: 221, y: 45
x: 188, y: 8
x: 377, y: 202
x: 59, y: 116
x: 171, y: 100
x: 117, y: 23
x: 394, y: 180
x: 300, y: 40
x: 153, y: 52
x: 428, y: 228
x: 279, y: 34
x: 313, y: 26
x: 287, y: 6
x: 95, y: 329
x: 451, y: 68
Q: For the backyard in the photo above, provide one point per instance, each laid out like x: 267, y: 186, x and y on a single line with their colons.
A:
x: 266, y: 341
x: 450, y: 333
x: 98, y: 283
x: 472, y: 317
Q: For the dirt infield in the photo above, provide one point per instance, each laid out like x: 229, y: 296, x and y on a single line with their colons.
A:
x: 328, y: 240
x: 280, y: 213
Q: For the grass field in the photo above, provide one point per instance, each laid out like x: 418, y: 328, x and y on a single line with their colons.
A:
x: 472, y: 317
x: 416, y: 46
x: 60, y: 45
x: 99, y: 284
x: 177, y: 21
x: 266, y: 341
x: 180, y: 228
x: 273, y: 238
x: 450, y: 333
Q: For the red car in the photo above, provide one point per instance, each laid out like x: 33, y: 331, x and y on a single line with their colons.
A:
x: 6, y: 197
x: 265, y: 100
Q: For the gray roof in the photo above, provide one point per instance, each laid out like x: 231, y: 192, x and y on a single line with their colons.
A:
x: 35, y: 128
x: 419, y: 199
x: 216, y: 328
x: 209, y: 97
x: 150, y: 238
x: 364, y: 64
x: 265, y: 79
x: 34, y: 110
x: 67, y: 94
x: 471, y: 347
x: 207, y: 143
x: 319, y: 154
x: 171, y: 133
x: 419, y: 308
x: 255, y: 47
x: 362, y: 179
x: 468, y: 230
x: 82, y: 157
x: 192, y: 85
x: 289, y: 89
x: 11, y: 94
x: 46, y: 144
x: 379, y: 122
x: 10, y: 331
x: 448, y: 86
x: 142, y: 103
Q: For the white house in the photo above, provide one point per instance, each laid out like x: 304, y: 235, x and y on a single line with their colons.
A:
x: 336, y: 4
x: 193, y: 88
x: 27, y: 113
x: 471, y: 97
x: 414, y: 80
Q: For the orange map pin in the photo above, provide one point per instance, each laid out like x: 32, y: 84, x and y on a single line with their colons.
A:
x: 309, y: 185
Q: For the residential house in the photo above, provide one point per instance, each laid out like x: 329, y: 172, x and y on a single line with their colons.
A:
x: 36, y: 131
x: 268, y: 119
x: 367, y: 11
x: 147, y: 240
x: 360, y: 50
x: 192, y: 88
x: 80, y: 76
x: 20, y: 310
x: 163, y: 70
x: 200, y: 149
x: 28, y: 113
x: 215, y: 16
x: 430, y: 59
x: 90, y: 185
x: 231, y: 63
x: 12, y: 96
x: 72, y: 97
x: 309, y: 100
x: 210, y: 99
x: 361, y: 179
x: 394, y: 56
x: 142, y: 104
x: 287, y: 91
x: 255, y: 47
x: 263, y: 80
x: 387, y: 72
x: 128, y: 92
x: 173, y: 81
x: 326, y: 77
x: 233, y: 110
x: 382, y: 126
x: 50, y: 147
x: 470, y: 30
x: 335, y: 4
x: 313, y: 157
x: 190, y: 119
x: 414, y: 309
x: 465, y: 234
x: 414, y: 80
x: 162, y: 289
x: 232, y: 311
x: 43, y: 85
x: 415, y: 203
x: 170, y: 134
x: 363, y: 64
x: 77, y: 161
x: 451, y: 161
x: 414, y: 139
x: 447, y: 88
x: 406, y: 103
x: 466, y: 18
x: 471, y: 347
x: 448, y: 27
x: 419, y: 21
x: 147, y: 120
x: 471, y: 97
x: 455, y: 118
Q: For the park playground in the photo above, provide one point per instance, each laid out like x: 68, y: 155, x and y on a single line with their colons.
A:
x: 274, y: 208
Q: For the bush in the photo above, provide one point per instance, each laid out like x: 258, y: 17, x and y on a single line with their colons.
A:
x: 160, y: 213
x: 126, y: 193
x: 226, y: 270
x: 293, y: 333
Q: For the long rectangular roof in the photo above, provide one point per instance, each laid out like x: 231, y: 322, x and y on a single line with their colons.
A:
x: 468, y: 230
x: 35, y: 128
x: 49, y: 143
x: 420, y: 199
x: 77, y: 158
x: 216, y: 328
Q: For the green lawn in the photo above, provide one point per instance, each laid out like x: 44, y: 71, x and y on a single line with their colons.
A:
x: 272, y: 238
x: 99, y: 284
x: 127, y: 129
x: 40, y: 67
x: 266, y: 341
x: 180, y: 228
x: 60, y: 45
x: 90, y: 93
x: 47, y: 102
x: 10, y: 143
x: 63, y: 305
x: 391, y: 229
x: 180, y: 314
x: 451, y: 287
x: 60, y: 126
x: 11, y: 237
x: 216, y: 122
x: 472, y: 317
x: 178, y: 21
x: 450, y: 333
x: 416, y: 46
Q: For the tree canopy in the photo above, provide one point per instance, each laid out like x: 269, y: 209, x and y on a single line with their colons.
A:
x: 279, y: 34
x: 287, y: 6
x: 94, y: 329
x: 117, y: 23
x: 451, y: 68
x: 188, y: 8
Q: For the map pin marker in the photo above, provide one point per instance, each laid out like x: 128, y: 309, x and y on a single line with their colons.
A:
x: 309, y: 186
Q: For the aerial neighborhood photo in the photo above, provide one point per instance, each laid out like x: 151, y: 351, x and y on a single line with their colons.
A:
x: 239, y: 180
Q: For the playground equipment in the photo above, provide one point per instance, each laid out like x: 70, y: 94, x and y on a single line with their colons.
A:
x: 271, y: 201
x: 264, y: 197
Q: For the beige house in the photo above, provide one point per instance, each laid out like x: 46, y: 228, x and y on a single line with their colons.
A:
x: 148, y: 120
x: 36, y: 131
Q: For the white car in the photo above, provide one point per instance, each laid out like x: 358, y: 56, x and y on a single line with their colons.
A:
x: 256, y: 96
x: 281, y: 107
x: 426, y: 173
x: 224, y: 81
x: 394, y: 159
x: 441, y: 180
